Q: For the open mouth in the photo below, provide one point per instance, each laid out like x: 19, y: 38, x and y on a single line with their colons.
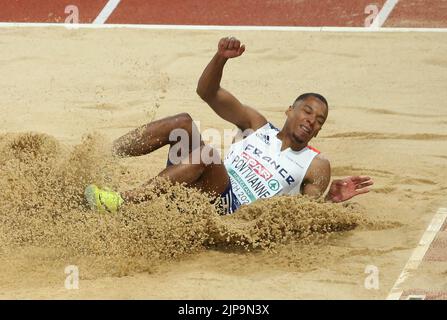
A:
x: 305, y: 129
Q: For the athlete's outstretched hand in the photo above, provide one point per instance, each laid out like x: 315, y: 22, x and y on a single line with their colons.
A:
x: 230, y: 47
x: 345, y: 189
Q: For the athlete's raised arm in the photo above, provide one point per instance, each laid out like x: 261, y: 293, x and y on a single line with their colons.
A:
x: 226, y: 105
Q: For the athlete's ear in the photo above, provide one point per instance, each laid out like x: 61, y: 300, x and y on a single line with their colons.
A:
x: 288, y: 110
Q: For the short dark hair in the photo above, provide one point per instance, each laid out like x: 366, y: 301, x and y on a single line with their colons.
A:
x: 312, y: 94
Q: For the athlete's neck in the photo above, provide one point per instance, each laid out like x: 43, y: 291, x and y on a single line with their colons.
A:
x: 289, y: 142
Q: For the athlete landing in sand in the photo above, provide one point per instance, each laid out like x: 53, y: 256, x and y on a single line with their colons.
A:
x: 267, y: 162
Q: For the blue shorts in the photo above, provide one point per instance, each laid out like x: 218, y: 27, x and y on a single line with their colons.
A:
x: 228, y: 201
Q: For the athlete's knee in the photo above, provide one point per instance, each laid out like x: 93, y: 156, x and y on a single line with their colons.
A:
x: 183, y: 120
x: 186, y: 130
x: 202, y: 156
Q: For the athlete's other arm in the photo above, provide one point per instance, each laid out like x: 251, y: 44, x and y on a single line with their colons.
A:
x: 318, y: 177
x: 227, y: 106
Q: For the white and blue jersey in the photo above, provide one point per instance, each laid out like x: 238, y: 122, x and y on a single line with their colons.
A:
x: 258, y: 169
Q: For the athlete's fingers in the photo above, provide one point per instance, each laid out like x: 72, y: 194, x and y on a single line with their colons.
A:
x: 360, y: 179
x: 357, y: 178
x: 364, y: 184
x: 227, y: 43
x: 369, y: 182
x: 223, y: 43
x: 231, y: 43
x: 361, y: 191
x: 346, y: 179
x: 237, y: 44
x: 241, y: 49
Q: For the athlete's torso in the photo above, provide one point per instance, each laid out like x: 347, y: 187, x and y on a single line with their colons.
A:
x: 259, y: 169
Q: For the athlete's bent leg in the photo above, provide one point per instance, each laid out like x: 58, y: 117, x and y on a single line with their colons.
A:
x: 207, y: 176
x: 155, y: 135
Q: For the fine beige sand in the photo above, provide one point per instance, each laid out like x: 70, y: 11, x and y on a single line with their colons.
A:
x: 387, y: 119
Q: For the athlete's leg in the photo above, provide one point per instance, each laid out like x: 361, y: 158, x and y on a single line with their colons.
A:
x: 155, y: 135
x: 208, y: 175
x: 210, y: 178
x: 214, y: 180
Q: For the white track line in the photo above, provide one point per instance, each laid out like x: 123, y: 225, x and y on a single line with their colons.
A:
x: 419, y: 252
x: 222, y: 28
x: 106, y: 11
x: 383, y: 14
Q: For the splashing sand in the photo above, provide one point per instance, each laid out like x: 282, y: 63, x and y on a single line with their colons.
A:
x: 42, y: 207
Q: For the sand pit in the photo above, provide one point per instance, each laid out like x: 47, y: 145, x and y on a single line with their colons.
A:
x: 43, y: 207
x: 62, y: 106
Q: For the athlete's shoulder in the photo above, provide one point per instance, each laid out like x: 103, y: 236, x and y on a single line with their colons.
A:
x: 320, y: 162
x: 320, y: 168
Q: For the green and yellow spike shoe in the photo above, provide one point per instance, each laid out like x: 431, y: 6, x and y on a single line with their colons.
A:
x: 102, y: 200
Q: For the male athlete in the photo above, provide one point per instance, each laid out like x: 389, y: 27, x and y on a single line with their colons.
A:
x: 268, y: 162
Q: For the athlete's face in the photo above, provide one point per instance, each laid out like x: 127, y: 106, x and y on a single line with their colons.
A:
x: 306, y: 118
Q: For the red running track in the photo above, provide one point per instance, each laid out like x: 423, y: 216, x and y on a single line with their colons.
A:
x: 245, y: 12
x: 418, y: 14
x: 48, y: 10
x: 341, y: 13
